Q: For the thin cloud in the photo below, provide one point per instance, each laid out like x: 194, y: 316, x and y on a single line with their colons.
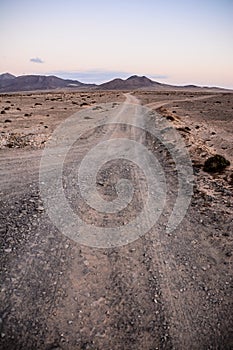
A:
x: 36, y: 60
x: 158, y: 76
x: 99, y: 76
x: 91, y: 76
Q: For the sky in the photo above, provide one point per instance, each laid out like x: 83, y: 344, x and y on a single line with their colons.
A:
x: 177, y: 42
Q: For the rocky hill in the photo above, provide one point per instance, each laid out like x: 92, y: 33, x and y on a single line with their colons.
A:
x: 10, y: 83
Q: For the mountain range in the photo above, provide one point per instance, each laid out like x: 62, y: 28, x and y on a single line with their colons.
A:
x: 11, y: 83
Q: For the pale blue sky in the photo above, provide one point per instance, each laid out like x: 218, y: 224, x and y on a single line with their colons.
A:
x: 179, y: 42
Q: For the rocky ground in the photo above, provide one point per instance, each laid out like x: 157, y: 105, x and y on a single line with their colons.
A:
x: 163, y: 291
x: 205, y: 123
x: 26, y: 120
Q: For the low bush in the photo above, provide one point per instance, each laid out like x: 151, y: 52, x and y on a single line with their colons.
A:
x: 215, y: 164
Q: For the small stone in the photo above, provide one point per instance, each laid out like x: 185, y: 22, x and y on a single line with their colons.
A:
x: 8, y: 250
x: 40, y: 208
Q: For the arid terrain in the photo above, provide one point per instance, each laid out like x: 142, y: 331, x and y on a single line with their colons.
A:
x: 162, y: 291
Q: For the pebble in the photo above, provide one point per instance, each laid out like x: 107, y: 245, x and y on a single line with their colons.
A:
x: 40, y: 208
x: 8, y: 250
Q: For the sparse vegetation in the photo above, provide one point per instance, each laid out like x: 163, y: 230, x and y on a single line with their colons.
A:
x: 171, y: 118
x: 215, y: 164
x: 185, y: 129
x: 83, y: 104
x: 17, y: 140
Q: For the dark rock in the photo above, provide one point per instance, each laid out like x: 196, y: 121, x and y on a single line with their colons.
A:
x: 170, y: 118
x: 185, y: 129
x: 83, y: 104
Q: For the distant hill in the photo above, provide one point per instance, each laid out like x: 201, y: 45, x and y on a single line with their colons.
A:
x: 143, y: 83
x: 6, y: 79
x: 10, y: 83
x: 132, y: 83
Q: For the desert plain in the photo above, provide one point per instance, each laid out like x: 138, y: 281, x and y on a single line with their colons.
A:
x: 161, y: 291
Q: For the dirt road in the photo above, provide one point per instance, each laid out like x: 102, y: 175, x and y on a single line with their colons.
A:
x: 161, y: 291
